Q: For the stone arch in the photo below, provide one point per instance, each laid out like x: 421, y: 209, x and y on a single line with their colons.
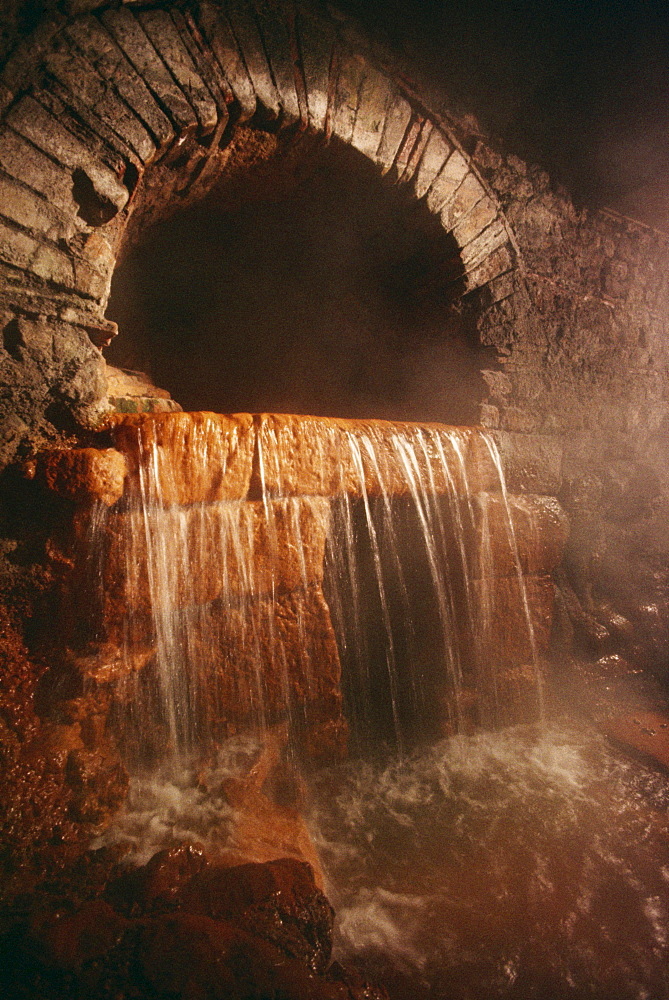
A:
x: 97, y: 102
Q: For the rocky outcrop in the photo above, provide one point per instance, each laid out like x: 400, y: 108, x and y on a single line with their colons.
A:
x: 181, y: 927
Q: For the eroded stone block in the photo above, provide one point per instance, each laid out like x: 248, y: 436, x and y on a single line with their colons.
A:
x: 185, y: 458
x: 162, y: 559
x: 82, y: 474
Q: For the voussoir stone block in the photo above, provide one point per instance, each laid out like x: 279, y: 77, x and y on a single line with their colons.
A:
x: 345, y: 102
x: 96, y: 94
x: 36, y: 124
x: 276, y: 36
x: 245, y: 30
x: 466, y: 196
x: 376, y: 92
x: 162, y: 32
x: 415, y: 153
x: 24, y: 162
x: 133, y: 41
x: 435, y: 155
x: 317, y: 37
x: 447, y: 181
x: 104, y: 54
x: 217, y: 32
x: 396, y: 123
x: 468, y: 228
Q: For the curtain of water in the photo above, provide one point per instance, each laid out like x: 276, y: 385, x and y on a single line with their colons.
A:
x: 225, y: 594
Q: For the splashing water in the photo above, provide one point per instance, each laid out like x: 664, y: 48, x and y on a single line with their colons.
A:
x: 525, y: 863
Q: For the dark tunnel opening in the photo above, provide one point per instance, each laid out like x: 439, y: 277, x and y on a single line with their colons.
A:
x: 310, y: 285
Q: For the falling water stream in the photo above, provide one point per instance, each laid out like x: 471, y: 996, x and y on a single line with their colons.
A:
x: 530, y: 861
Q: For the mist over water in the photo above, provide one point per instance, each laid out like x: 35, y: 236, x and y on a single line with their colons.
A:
x: 524, y: 863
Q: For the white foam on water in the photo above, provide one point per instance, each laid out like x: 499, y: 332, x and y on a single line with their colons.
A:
x: 525, y: 856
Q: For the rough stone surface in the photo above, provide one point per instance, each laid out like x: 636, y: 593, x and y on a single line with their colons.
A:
x: 504, y: 638
x: 134, y: 42
x: 272, y: 655
x: 328, y: 457
x: 182, y: 926
x: 217, y: 33
x: 83, y: 475
x: 199, y: 457
x: 212, y: 550
x: 160, y: 28
x: 529, y: 535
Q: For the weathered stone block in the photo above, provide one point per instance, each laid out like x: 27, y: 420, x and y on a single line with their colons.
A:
x: 447, y: 181
x: 408, y: 144
x: 468, y: 193
x: 328, y: 457
x: 32, y: 212
x: 250, y: 43
x: 535, y: 528
x: 24, y: 162
x: 164, y: 559
x: 79, y: 77
x: 317, y: 43
x: 416, y: 153
x: 532, y: 462
x: 24, y: 252
x: 31, y: 120
x: 397, y: 121
x: 82, y: 474
x: 497, y: 265
x: 104, y: 54
x: 274, y: 31
x: 185, y: 458
x: 483, y: 245
x: 205, y: 64
x: 344, y: 108
x: 274, y: 657
x: 511, y: 626
x: 375, y: 96
x: 481, y: 216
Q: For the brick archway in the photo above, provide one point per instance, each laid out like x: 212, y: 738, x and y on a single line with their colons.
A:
x: 95, y: 104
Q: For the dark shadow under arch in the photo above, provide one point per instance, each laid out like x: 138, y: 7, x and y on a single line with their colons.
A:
x: 307, y: 284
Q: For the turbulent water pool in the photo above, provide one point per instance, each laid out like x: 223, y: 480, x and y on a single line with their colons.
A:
x: 524, y: 863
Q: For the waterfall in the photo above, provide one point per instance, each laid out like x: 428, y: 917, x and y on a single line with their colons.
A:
x: 325, y: 572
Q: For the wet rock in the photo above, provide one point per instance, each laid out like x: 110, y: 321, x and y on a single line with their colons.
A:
x: 199, y: 457
x: 99, y: 785
x: 270, y: 655
x: 501, y: 610
x: 82, y: 474
x: 155, y: 887
x: 535, y: 527
x: 278, y: 901
x: 68, y: 941
x: 328, y: 457
x: 645, y: 733
x: 211, y: 551
x: 532, y: 462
